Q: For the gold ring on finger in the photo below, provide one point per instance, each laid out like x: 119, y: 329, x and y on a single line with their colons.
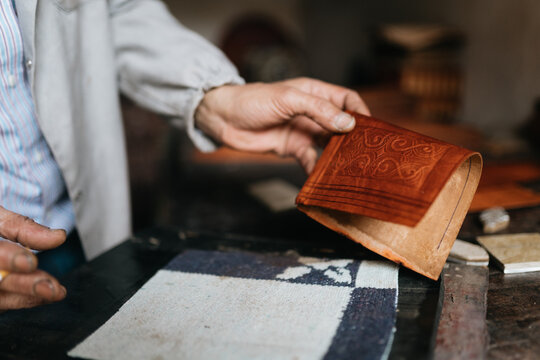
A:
x: 3, y: 274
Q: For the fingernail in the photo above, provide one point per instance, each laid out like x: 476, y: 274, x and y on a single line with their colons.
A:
x: 23, y: 262
x: 64, y: 290
x: 44, y: 288
x: 343, y: 122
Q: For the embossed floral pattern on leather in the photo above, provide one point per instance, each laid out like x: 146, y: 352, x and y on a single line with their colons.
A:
x: 375, y: 153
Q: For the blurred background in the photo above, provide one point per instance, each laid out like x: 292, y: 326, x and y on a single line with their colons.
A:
x: 467, y: 72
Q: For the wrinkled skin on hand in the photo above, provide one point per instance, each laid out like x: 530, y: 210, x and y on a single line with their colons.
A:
x: 289, y: 117
x: 24, y: 285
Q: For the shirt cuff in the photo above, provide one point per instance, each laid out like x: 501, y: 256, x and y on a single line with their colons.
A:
x: 201, y: 141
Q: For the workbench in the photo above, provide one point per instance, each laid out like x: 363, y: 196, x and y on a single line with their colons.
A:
x: 210, y: 209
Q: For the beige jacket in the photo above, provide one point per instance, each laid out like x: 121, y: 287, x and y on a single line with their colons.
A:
x: 79, y: 54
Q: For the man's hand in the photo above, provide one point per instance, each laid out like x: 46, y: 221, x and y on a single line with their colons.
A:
x: 287, y: 117
x: 23, y: 285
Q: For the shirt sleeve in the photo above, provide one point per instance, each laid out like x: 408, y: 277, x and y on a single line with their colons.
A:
x: 164, y: 66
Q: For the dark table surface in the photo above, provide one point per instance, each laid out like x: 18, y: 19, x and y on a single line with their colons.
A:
x: 210, y: 209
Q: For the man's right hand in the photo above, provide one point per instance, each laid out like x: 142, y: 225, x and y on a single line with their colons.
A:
x: 23, y: 285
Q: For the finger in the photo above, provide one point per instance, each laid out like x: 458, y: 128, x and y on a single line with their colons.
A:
x: 37, y: 284
x: 294, y: 138
x: 295, y: 103
x: 283, y: 141
x: 344, y: 98
x: 11, y: 301
x: 307, y: 157
x: 25, y: 231
x: 299, y: 143
x: 15, y: 258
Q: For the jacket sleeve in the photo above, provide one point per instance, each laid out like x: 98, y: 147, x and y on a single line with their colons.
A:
x: 163, y: 66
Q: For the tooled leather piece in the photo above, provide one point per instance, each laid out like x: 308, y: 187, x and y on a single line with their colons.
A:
x: 381, y: 171
x: 398, y: 193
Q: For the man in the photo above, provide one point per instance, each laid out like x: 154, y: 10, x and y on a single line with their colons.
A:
x: 63, y: 158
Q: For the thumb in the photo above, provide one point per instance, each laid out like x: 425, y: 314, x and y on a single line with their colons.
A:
x: 28, y: 233
x: 323, y: 112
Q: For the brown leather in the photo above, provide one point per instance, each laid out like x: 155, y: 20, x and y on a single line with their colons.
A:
x: 508, y: 196
x: 399, y: 193
x: 500, y: 186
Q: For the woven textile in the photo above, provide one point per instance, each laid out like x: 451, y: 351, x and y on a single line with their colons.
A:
x: 246, y: 305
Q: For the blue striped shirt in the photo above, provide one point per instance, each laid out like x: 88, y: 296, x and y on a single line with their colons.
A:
x: 31, y: 183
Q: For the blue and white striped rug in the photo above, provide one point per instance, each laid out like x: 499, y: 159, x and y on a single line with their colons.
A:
x: 247, y: 305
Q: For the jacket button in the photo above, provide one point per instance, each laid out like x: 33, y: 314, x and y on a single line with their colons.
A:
x: 29, y: 64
